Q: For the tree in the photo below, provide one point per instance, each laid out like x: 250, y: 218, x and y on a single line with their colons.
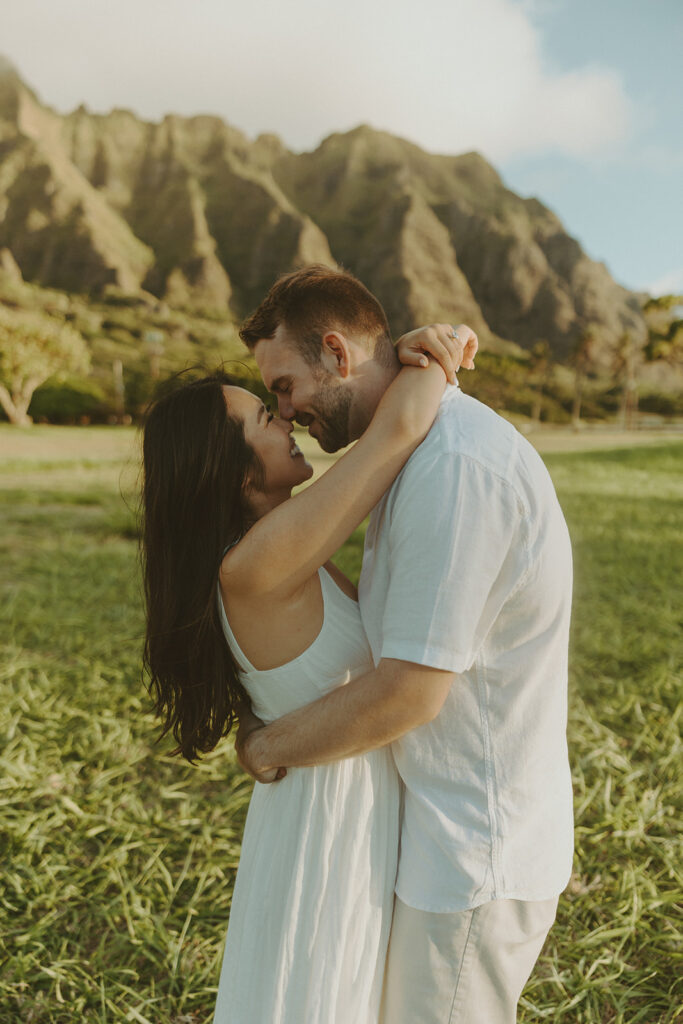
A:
x: 656, y: 304
x: 34, y: 347
x: 581, y: 359
x: 541, y: 365
x: 624, y: 364
x: 665, y: 329
x: 664, y: 318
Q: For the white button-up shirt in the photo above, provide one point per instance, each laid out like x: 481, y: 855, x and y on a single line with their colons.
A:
x: 467, y: 567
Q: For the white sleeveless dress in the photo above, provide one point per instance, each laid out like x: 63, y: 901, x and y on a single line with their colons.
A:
x: 311, y: 909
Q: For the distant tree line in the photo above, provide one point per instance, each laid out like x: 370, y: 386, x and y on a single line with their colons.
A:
x: 63, y: 363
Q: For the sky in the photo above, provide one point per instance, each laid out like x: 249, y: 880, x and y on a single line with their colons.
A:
x: 577, y: 102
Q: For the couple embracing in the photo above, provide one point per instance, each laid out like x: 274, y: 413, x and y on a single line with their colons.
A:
x: 405, y: 865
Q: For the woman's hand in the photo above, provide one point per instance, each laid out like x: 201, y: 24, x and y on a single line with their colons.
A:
x: 452, y: 347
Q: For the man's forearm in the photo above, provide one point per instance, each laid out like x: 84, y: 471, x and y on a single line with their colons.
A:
x: 348, y: 721
x: 367, y: 713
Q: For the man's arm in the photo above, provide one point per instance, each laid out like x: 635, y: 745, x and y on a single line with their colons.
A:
x: 463, y: 566
x: 370, y: 711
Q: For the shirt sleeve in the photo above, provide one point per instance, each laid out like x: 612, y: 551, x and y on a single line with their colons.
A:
x: 457, y: 551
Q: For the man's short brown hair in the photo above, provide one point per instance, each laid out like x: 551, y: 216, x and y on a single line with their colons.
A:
x: 316, y: 299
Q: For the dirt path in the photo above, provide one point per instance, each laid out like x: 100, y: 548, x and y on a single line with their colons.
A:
x: 39, y: 446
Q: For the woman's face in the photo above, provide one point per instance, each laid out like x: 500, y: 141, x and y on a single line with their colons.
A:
x: 271, y: 439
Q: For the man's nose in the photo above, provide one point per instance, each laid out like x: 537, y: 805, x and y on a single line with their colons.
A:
x: 285, y: 408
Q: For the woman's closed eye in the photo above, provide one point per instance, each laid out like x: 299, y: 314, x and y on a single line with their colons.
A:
x: 269, y: 416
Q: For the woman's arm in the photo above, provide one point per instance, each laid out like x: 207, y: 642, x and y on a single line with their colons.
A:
x: 284, y: 548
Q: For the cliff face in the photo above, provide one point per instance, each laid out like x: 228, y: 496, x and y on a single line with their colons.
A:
x: 434, y: 233
x: 192, y: 210
x: 60, y: 229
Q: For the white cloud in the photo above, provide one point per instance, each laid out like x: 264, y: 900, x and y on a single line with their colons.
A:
x: 670, y: 283
x: 468, y: 74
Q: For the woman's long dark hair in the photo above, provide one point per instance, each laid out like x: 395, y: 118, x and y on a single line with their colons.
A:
x: 195, y: 462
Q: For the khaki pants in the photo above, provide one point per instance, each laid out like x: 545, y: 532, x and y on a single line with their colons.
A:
x: 464, y: 968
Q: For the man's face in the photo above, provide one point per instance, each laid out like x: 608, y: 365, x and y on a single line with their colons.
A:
x: 311, y: 395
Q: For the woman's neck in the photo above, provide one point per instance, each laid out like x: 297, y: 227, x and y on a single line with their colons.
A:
x: 261, y: 504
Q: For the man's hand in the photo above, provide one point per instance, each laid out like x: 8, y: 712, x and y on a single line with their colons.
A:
x: 452, y: 347
x: 246, y: 748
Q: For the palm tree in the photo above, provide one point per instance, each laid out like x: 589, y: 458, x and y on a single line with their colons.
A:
x: 582, y: 358
x: 625, y: 364
x: 541, y: 365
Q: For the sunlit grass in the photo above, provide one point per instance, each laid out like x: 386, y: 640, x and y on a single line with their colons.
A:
x: 118, y: 861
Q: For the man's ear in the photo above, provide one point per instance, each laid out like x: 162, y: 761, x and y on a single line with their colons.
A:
x: 336, y: 354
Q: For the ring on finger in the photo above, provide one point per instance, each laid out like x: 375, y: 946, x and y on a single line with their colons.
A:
x: 454, y: 334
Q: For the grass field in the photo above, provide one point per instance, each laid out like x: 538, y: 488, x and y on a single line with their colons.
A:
x: 118, y: 861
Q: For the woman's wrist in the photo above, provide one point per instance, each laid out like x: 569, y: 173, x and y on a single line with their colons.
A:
x: 453, y: 347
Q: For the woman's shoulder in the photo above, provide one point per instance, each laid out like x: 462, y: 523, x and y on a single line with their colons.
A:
x: 230, y: 563
x: 245, y: 581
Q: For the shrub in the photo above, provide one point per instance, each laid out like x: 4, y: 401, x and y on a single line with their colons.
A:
x: 69, y: 402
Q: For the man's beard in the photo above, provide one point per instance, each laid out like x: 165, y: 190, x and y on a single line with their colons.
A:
x: 331, y: 410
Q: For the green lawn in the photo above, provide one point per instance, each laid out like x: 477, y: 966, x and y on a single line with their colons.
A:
x: 118, y: 861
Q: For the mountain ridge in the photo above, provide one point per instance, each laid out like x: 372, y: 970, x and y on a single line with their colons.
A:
x: 193, y: 211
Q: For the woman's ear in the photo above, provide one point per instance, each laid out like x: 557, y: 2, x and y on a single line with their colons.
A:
x: 249, y: 488
x: 335, y: 354
x: 252, y: 498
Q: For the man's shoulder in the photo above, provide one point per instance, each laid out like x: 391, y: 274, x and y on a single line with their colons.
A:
x: 466, y: 428
x: 470, y: 448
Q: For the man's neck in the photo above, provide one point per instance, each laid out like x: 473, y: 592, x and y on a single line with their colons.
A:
x: 371, y: 381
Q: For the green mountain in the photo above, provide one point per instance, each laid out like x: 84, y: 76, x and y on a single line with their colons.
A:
x: 194, y: 212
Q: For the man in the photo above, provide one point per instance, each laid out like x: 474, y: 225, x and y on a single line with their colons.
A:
x: 465, y: 597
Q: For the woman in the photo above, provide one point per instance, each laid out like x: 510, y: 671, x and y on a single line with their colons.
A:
x: 231, y: 556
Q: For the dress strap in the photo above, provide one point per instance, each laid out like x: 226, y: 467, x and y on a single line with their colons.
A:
x: 240, y: 657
